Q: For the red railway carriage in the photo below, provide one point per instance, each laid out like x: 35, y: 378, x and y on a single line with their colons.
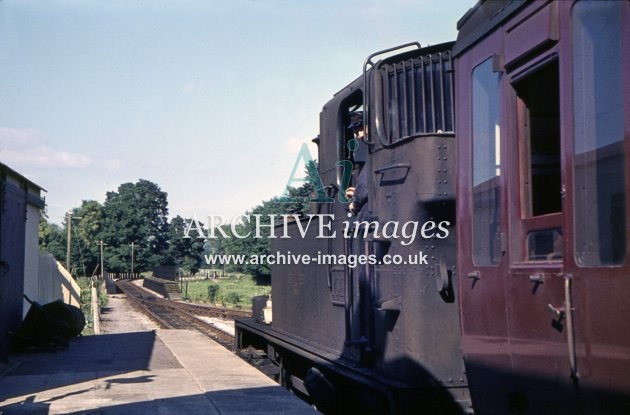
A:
x: 543, y: 133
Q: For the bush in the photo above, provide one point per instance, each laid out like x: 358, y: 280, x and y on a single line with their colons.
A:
x: 213, y: 293
x: 233, y: 297
x: 85, y: 284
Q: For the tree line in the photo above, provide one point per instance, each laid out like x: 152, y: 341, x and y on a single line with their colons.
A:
x: 135, y: 218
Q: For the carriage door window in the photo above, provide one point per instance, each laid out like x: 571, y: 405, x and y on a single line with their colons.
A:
x: 538, y: 132
x: 599, y: 166
x: 486, y: 165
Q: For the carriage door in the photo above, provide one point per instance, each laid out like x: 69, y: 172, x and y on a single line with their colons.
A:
x: 599, y: 262
x: 537, y: 286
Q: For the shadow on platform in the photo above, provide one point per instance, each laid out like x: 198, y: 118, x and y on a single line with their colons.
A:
x: 261, y: 400
x: 87, y: 358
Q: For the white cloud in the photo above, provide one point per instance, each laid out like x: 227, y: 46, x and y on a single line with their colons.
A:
x: 26, y: 147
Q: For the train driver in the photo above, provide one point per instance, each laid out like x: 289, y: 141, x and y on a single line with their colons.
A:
x: 358, y: 193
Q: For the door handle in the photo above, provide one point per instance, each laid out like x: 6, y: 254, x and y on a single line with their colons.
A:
x: 558, y: 312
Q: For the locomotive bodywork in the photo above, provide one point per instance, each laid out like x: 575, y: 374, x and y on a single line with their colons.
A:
x: 383, y: 336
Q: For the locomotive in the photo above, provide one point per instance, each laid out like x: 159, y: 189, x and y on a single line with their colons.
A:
x: 513, y: 136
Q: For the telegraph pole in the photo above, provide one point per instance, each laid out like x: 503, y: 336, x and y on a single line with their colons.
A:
x: 132, y: 245
x: 69, y: 217
x: 102, y: 269
x: 69, y: 239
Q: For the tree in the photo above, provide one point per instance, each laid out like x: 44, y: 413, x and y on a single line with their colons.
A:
x: 87, y: 228
x: 135, y: 213
x: 84, y: 250
x: 299, y: 199
x: 298, y: 202
x: 186, y: 253
x: 52, y: 238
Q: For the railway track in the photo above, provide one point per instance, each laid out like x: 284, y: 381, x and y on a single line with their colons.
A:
x: 179, y: 315
x: 175, y: 315
x: 209, y: 311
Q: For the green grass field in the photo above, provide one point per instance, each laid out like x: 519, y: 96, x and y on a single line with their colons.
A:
x: 235, y: 290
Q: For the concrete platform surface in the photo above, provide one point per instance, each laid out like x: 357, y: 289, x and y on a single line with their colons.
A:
x: 145, y: 372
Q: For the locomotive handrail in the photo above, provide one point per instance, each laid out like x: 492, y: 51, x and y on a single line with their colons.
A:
x: 366, y: 95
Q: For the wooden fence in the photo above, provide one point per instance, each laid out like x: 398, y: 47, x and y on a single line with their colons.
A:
x: 125, y: 275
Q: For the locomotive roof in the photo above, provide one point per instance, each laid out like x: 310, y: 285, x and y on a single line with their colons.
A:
x: 426, y: 50
x: 430, y: 49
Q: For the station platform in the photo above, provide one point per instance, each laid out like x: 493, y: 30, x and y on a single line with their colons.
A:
x: 133, y: 369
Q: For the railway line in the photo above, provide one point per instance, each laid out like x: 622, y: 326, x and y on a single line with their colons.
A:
x: 176, y: 315
x: 169, y: 314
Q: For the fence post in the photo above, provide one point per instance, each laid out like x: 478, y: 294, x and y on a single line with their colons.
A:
x: 96, y: 311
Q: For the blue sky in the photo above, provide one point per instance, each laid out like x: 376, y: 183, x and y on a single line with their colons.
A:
x: 211, y: 100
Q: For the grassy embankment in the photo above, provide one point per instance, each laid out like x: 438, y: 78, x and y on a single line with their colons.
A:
x: 233, y: 290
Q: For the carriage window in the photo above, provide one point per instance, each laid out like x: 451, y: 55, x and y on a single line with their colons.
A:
x: 599, y: 165
x: 538, y: 106
x: 539, y: 164
x: 486, y: 165
x: 544, y: 244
